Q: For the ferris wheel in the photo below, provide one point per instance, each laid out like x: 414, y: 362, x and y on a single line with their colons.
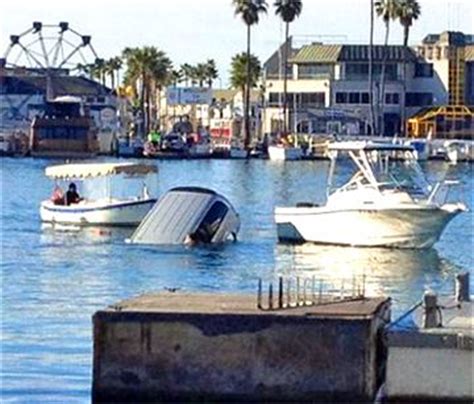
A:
x: 49, y: 47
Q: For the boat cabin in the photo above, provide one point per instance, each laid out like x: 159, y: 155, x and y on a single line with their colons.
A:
x: 63, y: 129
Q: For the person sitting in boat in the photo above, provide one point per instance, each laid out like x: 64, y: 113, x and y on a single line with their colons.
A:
x: 71, y: 195
x: 57, y: 197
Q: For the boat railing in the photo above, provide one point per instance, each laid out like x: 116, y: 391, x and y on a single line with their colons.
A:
x: 440, y: 191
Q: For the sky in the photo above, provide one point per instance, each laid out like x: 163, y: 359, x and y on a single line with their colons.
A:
x: 192, y: 31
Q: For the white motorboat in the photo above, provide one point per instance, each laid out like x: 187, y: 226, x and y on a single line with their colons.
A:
x: 383, y: 200
x: 284, y: 153
x: 188, y: 215
x: 459, y: 150
x: 101, y: 203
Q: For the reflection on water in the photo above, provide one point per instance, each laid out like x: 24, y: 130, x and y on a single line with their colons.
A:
x: 386, y: 271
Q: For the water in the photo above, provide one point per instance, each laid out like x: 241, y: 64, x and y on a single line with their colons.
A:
x: 52, y: 282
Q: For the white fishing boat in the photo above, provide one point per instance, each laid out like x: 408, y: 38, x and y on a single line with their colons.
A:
x: 382, y: 200
x: 284, y: 153
x: 102, y: 202
x: 189, y: 215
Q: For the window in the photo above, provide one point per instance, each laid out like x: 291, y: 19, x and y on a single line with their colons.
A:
x: 354, y: 98
x: 424, y: 70
x: 211, y: 222
x: 418, y: 99
x: 365, y: 98
x: 341, y: 98
x: 392, y: 99
x: 314, y: 70
x: 360, y: 71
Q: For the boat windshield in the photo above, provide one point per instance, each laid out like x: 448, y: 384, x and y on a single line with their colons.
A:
x: 379, y: 169
x: 116, y: 187
x: 398, y: 170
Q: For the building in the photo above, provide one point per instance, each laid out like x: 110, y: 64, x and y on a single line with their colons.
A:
x: 328, y: 85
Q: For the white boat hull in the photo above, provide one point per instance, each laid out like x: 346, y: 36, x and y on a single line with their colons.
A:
x: 119, y: 213
x: 415, y: 227
x: 279, y: 153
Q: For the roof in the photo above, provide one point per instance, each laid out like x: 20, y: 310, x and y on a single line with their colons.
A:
x: 318, y: 53
x: 60, y: 85
x: 364, y: 145
x: 82, y: 171
x: 449, y: 37
x: 274, y: 66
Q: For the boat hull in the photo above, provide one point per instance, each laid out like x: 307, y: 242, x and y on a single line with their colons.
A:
x: 127, y: 213
x: 279, y: 153
x: 417, y: 227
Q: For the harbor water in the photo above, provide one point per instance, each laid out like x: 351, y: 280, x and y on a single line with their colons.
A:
x: 53, y: 281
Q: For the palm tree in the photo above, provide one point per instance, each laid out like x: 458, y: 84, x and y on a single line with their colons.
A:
x: 250, y: 11
x: 201, y: 73
x: 98, y: 70
x: 373, y: 127
x: 288, y: 10
x: 408, y: 11
x: 388, y: 11
x: 115, y: 64
x: 239, y: 77
x: 176, y: 77
x: 149, y: 68
x: 186, y: 72
x: 211, y: 72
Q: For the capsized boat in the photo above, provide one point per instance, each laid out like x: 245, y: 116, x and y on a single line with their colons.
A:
x: 383, y: 200
x: 102, y: 202
x: 189, y: 215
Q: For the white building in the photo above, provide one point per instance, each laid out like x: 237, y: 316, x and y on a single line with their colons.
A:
x: 328, y: 85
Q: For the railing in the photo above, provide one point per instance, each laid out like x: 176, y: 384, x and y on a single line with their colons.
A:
x: 304, y: 292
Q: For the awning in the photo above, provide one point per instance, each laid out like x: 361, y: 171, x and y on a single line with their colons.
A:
x: 80, y: 171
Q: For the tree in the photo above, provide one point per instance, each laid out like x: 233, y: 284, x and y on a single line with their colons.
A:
x: 239, y: 77
x: 186, y: 72
x: 98, y: 70
x: 288, y: 10
x: 211, y: 72
x: 201, y: 73
x: 250, y: 11
x: 148, y: 68
x: 373, y: 127
x: 176, y: 77
x: 113, y: 67
x: 388, y: 11
x: 408, y: 11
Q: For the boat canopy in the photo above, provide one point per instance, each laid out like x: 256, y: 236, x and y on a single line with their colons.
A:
x: 368, y: 146
x: 82, y: 171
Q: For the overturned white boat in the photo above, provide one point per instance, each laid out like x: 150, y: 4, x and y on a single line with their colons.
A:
x: 111, y: 194
x: 189, y: 215
x: 383, y: 200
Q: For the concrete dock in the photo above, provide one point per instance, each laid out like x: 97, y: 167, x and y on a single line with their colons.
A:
x: 434, y: 362
x: 197, y: 347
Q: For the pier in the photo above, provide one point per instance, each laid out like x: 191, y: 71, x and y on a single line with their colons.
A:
x: 178, y: 346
